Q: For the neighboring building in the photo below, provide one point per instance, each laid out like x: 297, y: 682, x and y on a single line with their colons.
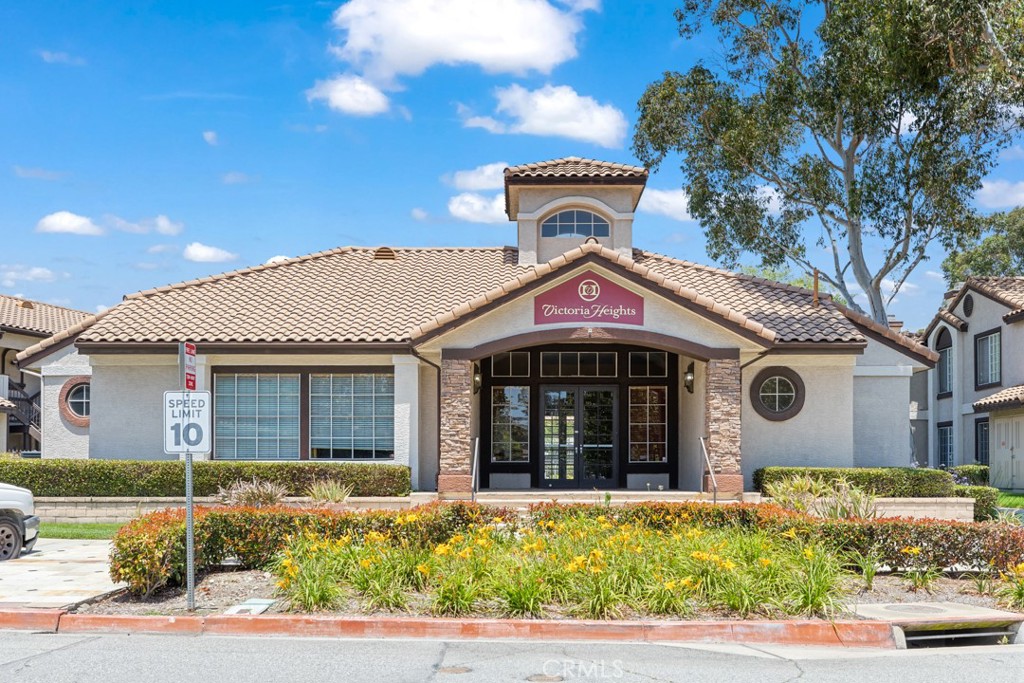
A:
x: 970, y: 406
x: 24, y: 323
x: 572, y: 360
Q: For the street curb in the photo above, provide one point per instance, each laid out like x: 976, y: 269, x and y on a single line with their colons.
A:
x: 869, y: 634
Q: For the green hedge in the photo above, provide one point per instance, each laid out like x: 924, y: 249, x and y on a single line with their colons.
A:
x: 973, y: 475
x: 985, y: 498
x: 884, y: 482
x: 163, y: 478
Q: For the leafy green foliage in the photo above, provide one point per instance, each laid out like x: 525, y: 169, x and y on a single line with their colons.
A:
x: 165, y: 478
x: 986, y: 500
x: 999, y: 251
x: 830, y: 498
x: 865, y: 125
x: 786, y: 276
x: 252, y: 493
x: 972, y: 475
x: 884, y: 482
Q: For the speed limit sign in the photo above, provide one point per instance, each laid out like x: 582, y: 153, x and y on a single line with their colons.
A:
x: 187, y: 422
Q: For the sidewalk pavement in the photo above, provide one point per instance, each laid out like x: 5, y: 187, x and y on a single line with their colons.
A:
x: 57, y: 573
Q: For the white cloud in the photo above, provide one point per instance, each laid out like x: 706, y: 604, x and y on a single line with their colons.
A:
x: 1015, y: 153
x: 67, y: 222
x: 210, y: 137
x: 161, y: 225
x: 37, y: 173
x: 389, y: 38
x: 236, y: 178
x: 11, y: 275
x: 934, y: 275
x: 553, y: 110
x: 419, y: 214
x: 671, y: 203
x: 160, y: 248
x: 60, y: 58
x: 276, y: 259
x: 476, y: 208
x: 1001, y: 194
x: 203, y: 253
x: 773, y: 197
x: 350, y: 94
x: 485, y: 177
x: 100, y: 308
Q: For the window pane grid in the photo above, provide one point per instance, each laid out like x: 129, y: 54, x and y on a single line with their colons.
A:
x: 989, y: 361
x: 648, y: 424
x: 510, y: 424
x: 945, y: 371
x: 579, y: 364
x: 981, y: 436
x: 256, y: 416
x: 352, y: 416
x: 575, y: 223
x: 511, y: 364
x: 945, y: 446
x: 777, y: 394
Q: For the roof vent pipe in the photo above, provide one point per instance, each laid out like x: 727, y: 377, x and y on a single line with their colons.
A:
x: 816, y: 300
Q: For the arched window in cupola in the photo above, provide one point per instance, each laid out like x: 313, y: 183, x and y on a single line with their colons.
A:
x: 575, y: 223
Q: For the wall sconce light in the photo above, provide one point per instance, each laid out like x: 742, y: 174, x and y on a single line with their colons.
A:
x: 478, y: 379
x: 688, y: 378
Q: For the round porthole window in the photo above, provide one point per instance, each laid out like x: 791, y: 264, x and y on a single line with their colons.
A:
x: 968, y: 305
x: 777, y: 393
x: 75, y: 402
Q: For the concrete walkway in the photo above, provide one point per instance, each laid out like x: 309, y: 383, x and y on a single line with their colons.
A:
x: 56, y: 573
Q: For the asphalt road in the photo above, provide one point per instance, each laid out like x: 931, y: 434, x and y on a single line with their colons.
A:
x: 47, y: 658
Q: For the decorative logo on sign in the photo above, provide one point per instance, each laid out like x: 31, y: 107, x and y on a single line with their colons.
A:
x: 588, y: 298
x: 589, y: 290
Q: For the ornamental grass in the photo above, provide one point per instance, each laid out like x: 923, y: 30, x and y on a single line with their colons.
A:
x: 582, y: 566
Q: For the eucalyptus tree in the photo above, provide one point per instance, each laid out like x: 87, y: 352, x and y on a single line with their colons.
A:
x: 845, y: 136
x: 998, y: 252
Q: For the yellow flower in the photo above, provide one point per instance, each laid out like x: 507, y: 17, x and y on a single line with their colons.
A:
x: 808, y: 553
x: 466, y: 552
x: 688, y: 582
x: 789, y: 533
x: 365, y: 563
x: 423, y: 569
x: 282, y: 584
x: 442, y: 549
x: 375, y: 537
x: 764, y: 562
x: 670, y: 585
x: 484, y: 542
x: 601, y: 518
x: 911, y: 550
x: 457, y: 538
x: 728, y: 565
x: 551, y: 525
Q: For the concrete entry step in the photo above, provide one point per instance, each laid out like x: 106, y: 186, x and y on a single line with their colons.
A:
x: 920, y: 622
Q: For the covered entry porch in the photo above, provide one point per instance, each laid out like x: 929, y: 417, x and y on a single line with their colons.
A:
x: 589, y: 409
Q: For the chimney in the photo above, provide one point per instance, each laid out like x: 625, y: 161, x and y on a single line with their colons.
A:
x: 894, y: 324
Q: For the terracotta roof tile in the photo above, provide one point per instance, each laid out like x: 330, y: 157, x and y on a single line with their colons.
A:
x: 1010, y: 290
x: 1012, y: 397
x: 575, y: 167
x: 35, y: 317
x: 6, y: 406
x: 345, y: 295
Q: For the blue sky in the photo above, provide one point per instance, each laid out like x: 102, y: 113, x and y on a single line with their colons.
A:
x: 152, y: 142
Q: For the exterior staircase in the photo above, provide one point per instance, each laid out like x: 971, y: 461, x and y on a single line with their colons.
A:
x: 26, y: 409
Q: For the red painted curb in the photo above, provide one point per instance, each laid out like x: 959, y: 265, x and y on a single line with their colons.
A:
x: 130, y: 623
x: 31, y: 619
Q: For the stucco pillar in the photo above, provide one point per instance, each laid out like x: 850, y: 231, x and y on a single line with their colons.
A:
x: 3, y: 432
x: 407, y: 414
x: 454, y: 479
x: 723, y: 396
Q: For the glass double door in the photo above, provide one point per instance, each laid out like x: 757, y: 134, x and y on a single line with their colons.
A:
x: 579, y: 436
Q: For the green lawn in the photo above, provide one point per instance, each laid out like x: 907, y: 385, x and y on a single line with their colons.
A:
x: 1011, y: 500
x: 77, y: 531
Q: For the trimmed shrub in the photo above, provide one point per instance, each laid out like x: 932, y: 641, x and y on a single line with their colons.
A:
x: 884, y: 482
x: 149, y: 552
x: 166, y: 478
x: 985, y: 500
x: 970, y: 475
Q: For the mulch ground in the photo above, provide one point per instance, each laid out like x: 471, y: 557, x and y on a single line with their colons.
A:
x: 218, y: 591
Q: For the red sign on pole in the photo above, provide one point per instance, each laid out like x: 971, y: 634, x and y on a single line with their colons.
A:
x: 588, y: 298
x: 187, y: 359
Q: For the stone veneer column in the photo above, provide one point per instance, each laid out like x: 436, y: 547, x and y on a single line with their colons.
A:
x: 454, y: 479
x: 723, y: 399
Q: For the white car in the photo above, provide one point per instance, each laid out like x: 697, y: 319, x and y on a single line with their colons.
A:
x: 19, y: 526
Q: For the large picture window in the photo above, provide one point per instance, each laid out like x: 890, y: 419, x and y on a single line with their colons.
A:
x: 510, y: 424
x: 256, y: 416
x: 574, y: 223
x: 352, y: 416
x: 987, y: 359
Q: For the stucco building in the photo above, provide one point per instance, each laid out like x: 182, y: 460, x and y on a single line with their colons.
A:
x: 970, y: 407
x: 574, y: 359
x: 24, y: 323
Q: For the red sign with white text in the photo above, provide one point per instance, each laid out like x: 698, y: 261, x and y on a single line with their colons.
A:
x: 588, y: 298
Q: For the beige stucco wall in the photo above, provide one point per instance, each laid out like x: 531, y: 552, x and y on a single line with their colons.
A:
x: 127, y: 405
x: 691, y: 426
x: 429, y: 461
x: 3, y: 432
x: 61, y: 439
x: 821, y: 434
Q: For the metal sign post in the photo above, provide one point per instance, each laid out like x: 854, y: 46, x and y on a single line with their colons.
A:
x: 186, y: 432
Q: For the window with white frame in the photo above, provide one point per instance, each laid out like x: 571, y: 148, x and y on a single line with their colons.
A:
x: 944, y: 368
x: 987, y: 359
x: 352, y: 416
x: 510, y: 424
x: 648, y: 424
x: 945, y: 443
x: 256, y: 416
x: 575, y: 223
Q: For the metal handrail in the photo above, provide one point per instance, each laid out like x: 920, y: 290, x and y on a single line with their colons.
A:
x: 476, y: 462
x: 711, y: 472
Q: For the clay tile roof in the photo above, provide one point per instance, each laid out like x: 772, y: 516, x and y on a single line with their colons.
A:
x: 6, y: 406
x: 575, y: 167
x: 36, y: 318
x: 346, y: 295
x: 1009, y: 290
x: 953, y: 320
x: 1012, y: 397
